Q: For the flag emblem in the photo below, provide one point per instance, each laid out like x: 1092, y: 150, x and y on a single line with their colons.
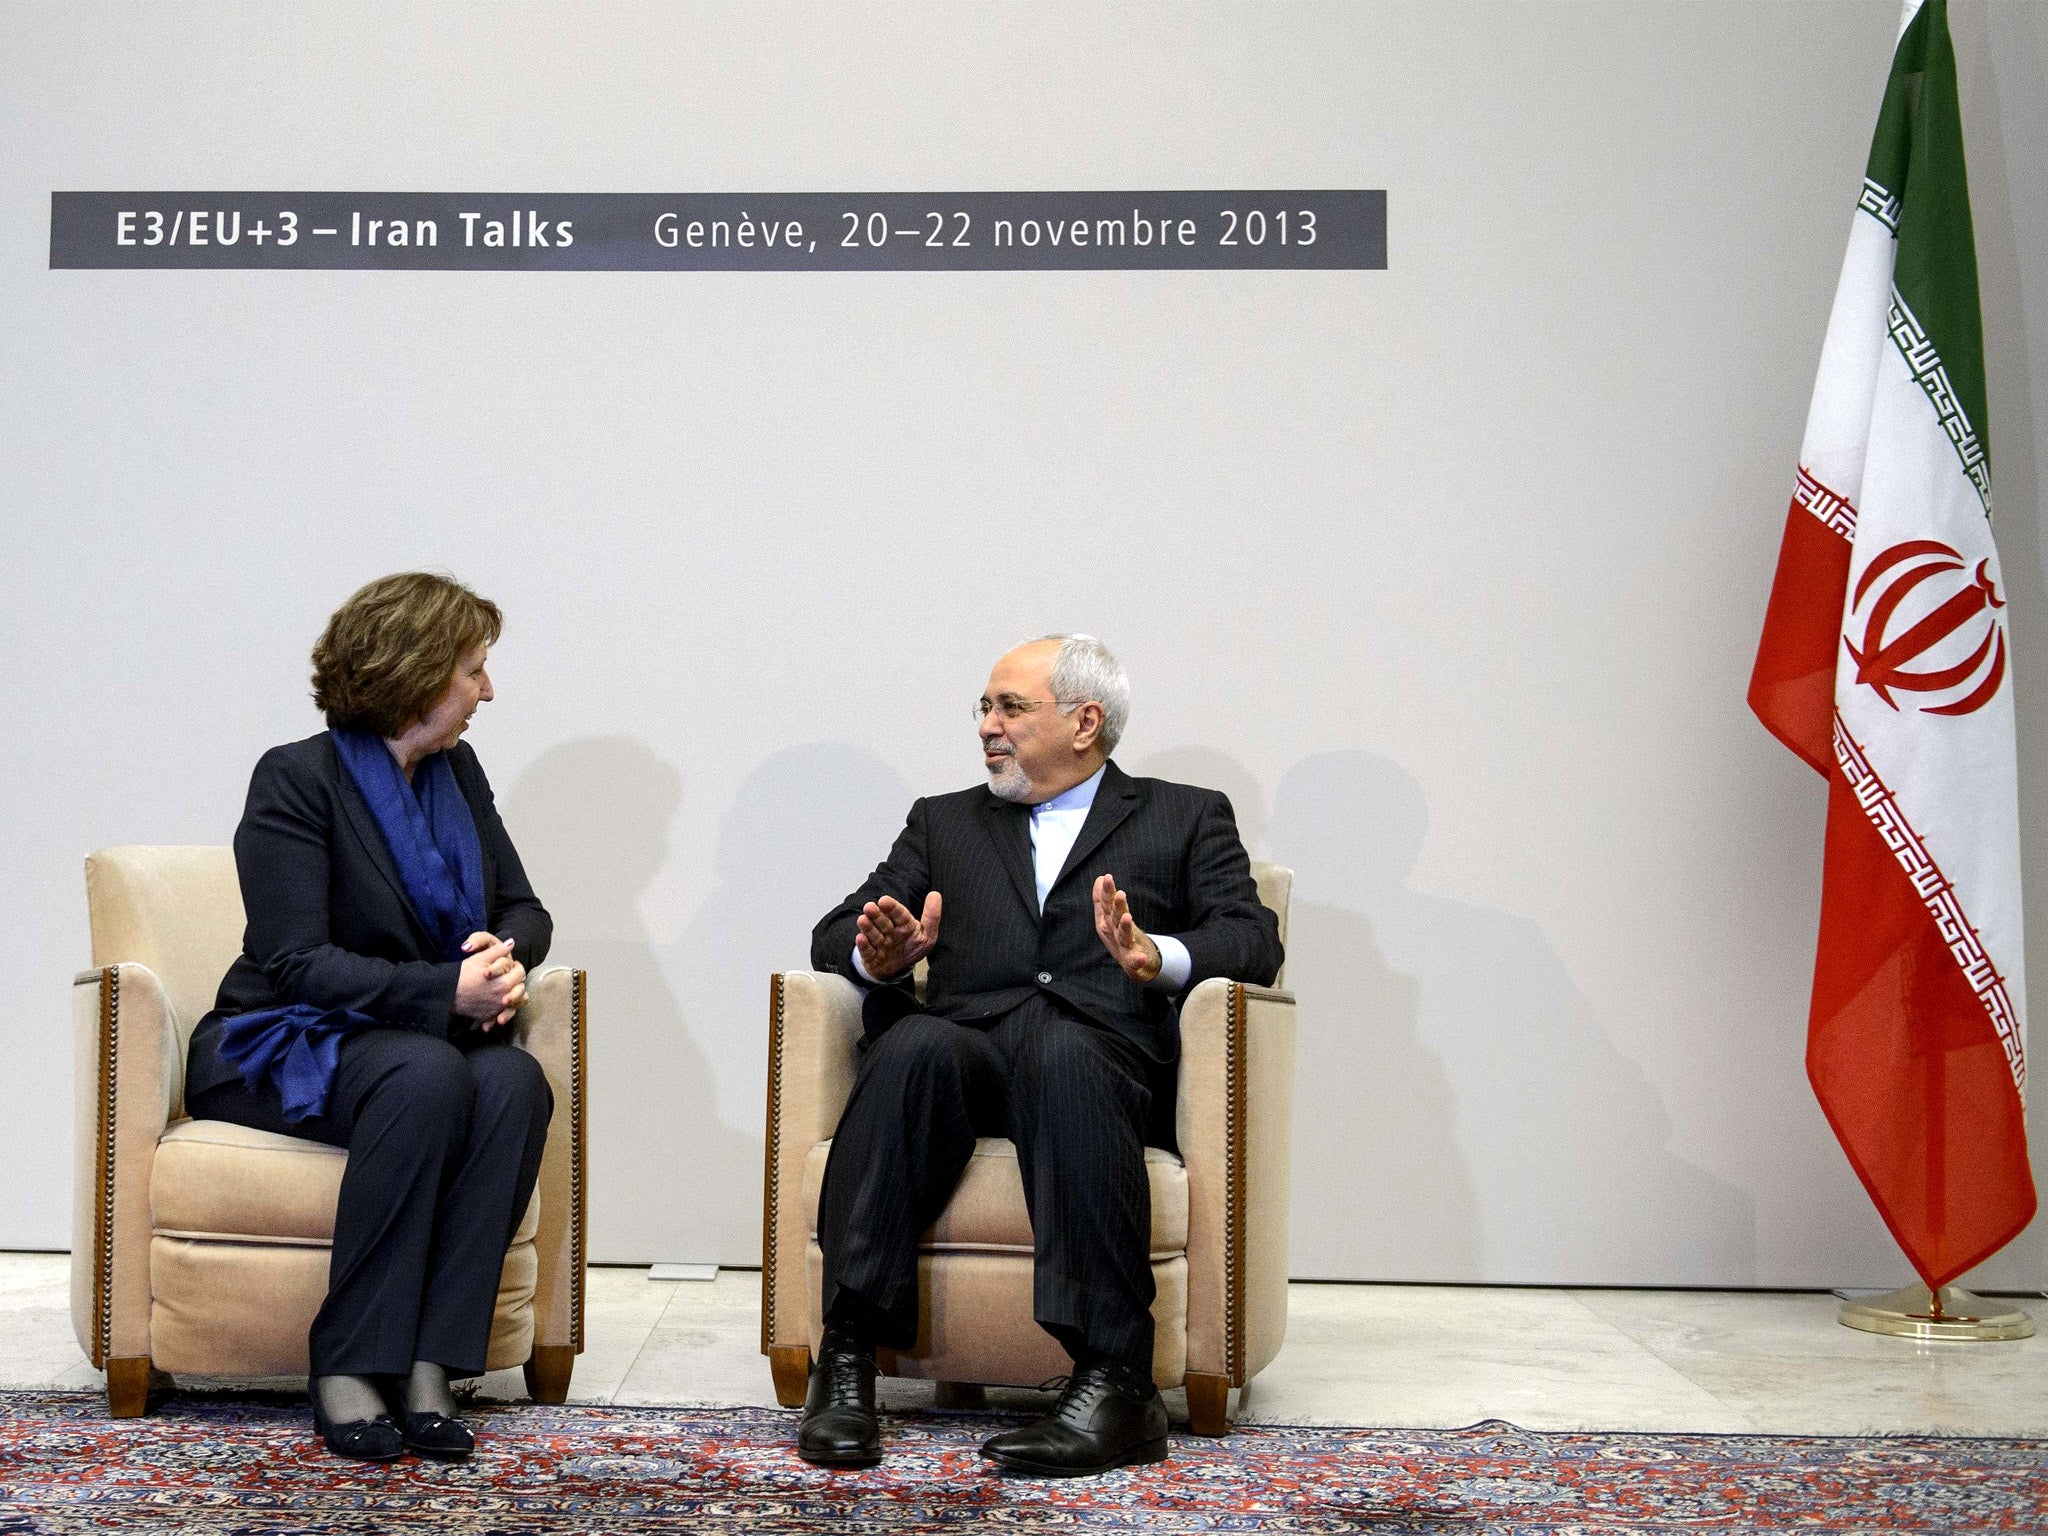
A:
x: 1925, y: 569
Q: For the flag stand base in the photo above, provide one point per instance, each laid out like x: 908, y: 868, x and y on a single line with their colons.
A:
x: 1954, y: 1315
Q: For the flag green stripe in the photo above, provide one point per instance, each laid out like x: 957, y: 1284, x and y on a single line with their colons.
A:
x: 1917, y: 155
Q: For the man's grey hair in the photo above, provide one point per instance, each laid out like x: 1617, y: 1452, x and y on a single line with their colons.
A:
x: 1085, y: 670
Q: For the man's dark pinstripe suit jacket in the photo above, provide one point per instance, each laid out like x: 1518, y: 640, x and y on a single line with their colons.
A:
x: 1175, y: 853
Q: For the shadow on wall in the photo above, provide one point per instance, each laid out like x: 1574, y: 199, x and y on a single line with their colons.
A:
x: 1397, y: 1189
x: 804, y: 828
x: 1458, y: 1102
x: 591, y: 820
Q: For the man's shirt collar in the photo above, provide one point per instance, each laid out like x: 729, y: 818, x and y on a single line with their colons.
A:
x: 1079, y: 798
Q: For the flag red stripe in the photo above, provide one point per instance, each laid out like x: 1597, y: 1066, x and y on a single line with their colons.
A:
x: 1906, y: 1064
x: 1792, y: 688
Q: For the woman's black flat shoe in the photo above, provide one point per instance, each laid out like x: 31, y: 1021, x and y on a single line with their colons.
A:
x: 436, y: 1435
x: 375, y: 1439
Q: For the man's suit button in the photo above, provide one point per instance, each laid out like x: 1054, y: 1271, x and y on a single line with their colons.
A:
x: 1045, y: 978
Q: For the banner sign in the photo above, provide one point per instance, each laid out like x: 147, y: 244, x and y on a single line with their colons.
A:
x: 721, y: 232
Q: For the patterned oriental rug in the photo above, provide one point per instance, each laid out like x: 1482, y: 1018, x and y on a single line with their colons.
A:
x: 249, y: 1465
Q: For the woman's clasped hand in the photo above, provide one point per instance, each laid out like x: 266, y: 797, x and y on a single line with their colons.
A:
x: 493, y: 984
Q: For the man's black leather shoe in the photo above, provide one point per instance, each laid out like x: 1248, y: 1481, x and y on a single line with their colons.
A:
x: 1108, y: 1415
x: 839, y: 1427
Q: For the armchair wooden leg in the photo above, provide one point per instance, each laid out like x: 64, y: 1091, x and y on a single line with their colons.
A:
x: 791, y: 1366
x: 1208, y: 1404
x: 547, y: 1373
x: 128, y: 1383
x: 959, y: 1395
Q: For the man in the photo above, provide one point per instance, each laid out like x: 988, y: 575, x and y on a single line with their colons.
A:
x: 1063, y: 908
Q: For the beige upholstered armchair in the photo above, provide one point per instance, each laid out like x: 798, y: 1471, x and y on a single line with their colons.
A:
x: 201, y: 1247
x: 1219, y: 1209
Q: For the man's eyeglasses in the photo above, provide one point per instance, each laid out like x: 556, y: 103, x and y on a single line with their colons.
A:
x: 1009, y: 706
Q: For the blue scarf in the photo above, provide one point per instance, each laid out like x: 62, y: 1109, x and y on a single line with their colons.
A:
x: 432, y: 837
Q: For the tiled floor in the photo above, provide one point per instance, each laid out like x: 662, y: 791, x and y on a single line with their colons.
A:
x: 1402, y: 1355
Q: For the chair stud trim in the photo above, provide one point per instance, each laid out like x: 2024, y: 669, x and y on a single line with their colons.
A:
x: 771, y: 1176
x: 103, y: 1195
x: 1234, y: 1117
x: 579, y: 1110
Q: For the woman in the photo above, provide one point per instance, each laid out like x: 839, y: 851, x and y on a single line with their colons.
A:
x: 390, y: 928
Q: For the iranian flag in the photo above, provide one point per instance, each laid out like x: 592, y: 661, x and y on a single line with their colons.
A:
x: 1884, y: 663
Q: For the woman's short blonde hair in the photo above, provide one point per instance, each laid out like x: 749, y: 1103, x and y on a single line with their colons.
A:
x: 390, y: 651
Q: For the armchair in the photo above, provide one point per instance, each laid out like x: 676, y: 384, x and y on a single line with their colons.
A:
x: 1219, y: 1206
x: 201, y: 1247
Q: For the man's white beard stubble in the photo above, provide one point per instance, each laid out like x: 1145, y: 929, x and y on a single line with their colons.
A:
x: 1008, y: 781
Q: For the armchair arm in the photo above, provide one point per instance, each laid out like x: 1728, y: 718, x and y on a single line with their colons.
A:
x: 551, y: 1028
x: 128, y: 1074
x: 1234, y: 1118
x: 813, y: 1027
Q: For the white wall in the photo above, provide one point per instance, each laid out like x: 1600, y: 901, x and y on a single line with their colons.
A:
x: 1450, y: 574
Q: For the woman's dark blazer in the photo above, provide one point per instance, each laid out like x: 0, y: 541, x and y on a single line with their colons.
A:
x: 328, y: 919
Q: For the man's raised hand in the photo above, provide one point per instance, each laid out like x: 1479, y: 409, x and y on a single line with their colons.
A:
x: 890, y: 940
x: 1121, y: 935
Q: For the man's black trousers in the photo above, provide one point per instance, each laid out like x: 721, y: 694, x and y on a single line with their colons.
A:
x: 1074, y: 1098
x: 444, y: 1147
